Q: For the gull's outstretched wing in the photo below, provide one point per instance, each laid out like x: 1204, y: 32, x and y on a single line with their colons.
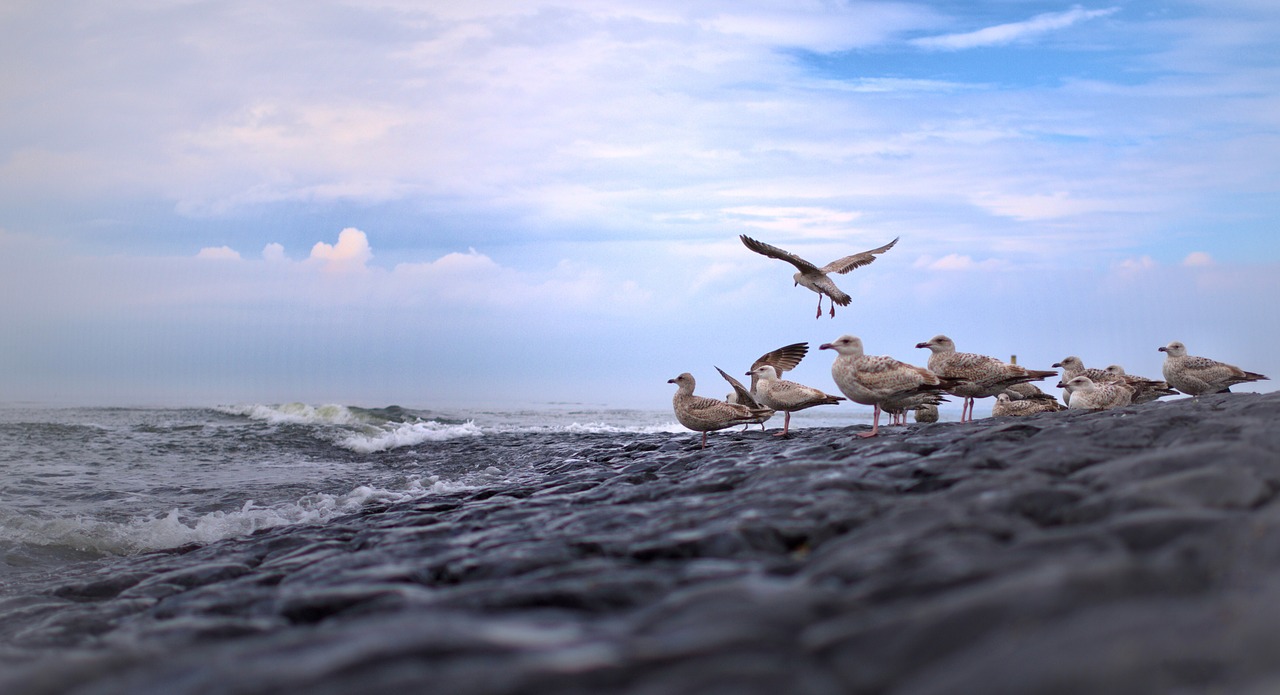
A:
x: 857, y: 260
x: 774, y: 252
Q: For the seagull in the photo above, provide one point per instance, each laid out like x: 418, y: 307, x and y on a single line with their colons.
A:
x: 927, y: 413
x: 980, y: 376
x: 1199, y: 375
x: 1007, y: 405
x: 1144, y: 390
x: 1027, y: 392
x: 1073, y: 367
x: 787, y: 396
x: 815, y: 278
x: 881, y: 381
x: 929, y: 402
x: 702, y: 414
x: 782, y: 359
x: 1088, y: 395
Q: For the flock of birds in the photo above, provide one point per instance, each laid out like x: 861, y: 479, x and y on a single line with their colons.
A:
x: 895, y: 387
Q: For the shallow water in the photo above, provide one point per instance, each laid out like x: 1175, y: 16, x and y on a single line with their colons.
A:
x: 83, y: 483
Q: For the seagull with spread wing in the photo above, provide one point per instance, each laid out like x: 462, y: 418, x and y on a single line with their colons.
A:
x: 815, y: 278
x: 782, y: 359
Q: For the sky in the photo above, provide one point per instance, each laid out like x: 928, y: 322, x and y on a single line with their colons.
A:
x: 512, y: 204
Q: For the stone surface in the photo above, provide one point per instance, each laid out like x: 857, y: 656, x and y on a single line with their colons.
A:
x: 1130, y: 551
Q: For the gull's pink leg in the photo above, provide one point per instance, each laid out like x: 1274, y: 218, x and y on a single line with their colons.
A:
x: 786, y: 425
x: 875, y: 424
x: 704, y: 440
x: 819, y: 315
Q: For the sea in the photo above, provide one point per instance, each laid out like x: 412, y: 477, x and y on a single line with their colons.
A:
x: 83, y: 484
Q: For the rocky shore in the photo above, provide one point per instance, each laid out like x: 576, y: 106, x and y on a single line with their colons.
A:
x: 1130, y: 551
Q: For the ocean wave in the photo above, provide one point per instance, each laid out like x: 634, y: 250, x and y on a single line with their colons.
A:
x: 295, y: 414
x: 358, y: 430
x: 366, y: 431
x: 408, y: 434
x: 177, y: 527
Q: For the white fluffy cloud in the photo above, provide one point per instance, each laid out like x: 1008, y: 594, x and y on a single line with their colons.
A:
x: 1198, y: 258
x: 351, y: 252
x: 219, y: 253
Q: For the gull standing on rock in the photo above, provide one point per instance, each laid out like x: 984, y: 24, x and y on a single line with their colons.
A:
x: 927, y: 413
x: 1073, y: 367
x: 1030, y: 392
x: 702, y: 414
x: 1144, y: 390
x: 1195, y: 376
x: 980, y: 376
x: 1006, y: 405
x: 1088, y: 395
x: 787, y: 396
x: 877, y: 380
x: 898, y: 407
x: 815, y: 278
x: 782, y: 359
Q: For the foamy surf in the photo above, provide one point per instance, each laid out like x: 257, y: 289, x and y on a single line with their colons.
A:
x: 295, y: 414
x: 177, y: 527
x: 408, y: 434
x: 367, y: 432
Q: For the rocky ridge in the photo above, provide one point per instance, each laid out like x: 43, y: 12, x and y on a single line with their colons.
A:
x: 1130, y: 551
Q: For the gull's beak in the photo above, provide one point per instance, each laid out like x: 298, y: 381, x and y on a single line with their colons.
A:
x: 1162, y: 349
x: 922, y: 345
x: 825, y: 346
x: 1057, y: 364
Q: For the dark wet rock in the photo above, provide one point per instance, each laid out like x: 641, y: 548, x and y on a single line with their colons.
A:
x: 1130, y: 551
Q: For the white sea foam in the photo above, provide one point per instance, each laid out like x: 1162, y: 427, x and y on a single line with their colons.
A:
x: 408, y: 434
x: 295, y: 414
x: 366, y: 432
x: 177, y: 528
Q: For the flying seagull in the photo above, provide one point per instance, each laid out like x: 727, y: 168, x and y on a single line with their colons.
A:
x: 815, y: 278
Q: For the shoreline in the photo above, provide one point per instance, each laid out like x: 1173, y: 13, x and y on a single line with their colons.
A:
x: 1134, y: 550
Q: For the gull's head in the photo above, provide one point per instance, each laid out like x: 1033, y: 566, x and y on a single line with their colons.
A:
x: 845, y: 345
x: 764, y: 372
x: 1080, y: 383
x: 1174, y: 349
x: 938, y: 343
x: 1114, y: 370
x: 1003, y: 397
x: 684, y: 381
x: 1070, y: 362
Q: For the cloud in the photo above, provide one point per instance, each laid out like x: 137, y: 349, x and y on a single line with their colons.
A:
x: 1197, y: 258
x: 464, y: 281
x: 960, y: 262
x: 819, y: 27
x: 1012, y: 32
x: 1032, y: 206
x: 220, y: 253
x: 274, y: 253
x: 1137, y: 265
x: 351, y: 252
x: 806, y: 222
